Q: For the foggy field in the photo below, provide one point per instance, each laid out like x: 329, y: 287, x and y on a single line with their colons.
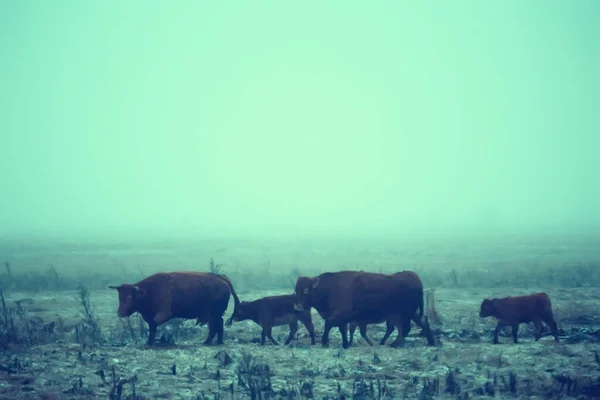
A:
x: 271, y: 140
x: 62, y: 352
x: 519, y: 260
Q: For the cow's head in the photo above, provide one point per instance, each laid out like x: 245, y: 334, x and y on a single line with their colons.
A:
x: 130, y: 299
x: 487, y: 308
x: 242, y: 312
x: 306, y: 293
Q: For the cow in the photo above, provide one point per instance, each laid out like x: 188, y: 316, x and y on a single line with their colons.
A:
x: 512, y: 311
x: 188, y: 295
x: 275, y: 311
x: 416, y: 285
x: 346, y: 296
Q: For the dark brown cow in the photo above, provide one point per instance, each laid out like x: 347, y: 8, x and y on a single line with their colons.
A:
x: 163, y: 296
x: 347, y: 296
x: 275, y: 311
x: 416, y: 285
x: 512, y: 311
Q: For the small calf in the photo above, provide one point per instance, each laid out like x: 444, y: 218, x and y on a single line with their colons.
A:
x: 275, y: 311
x: 513, y: 311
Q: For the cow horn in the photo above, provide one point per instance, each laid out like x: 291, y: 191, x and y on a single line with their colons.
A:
x: 136, y: 288
x: 316, y: 283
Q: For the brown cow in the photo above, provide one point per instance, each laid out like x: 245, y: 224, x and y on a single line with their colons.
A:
x: 416, y: 285
x: 275, y: 311
x: 513, y: 311
x: 163, y: 296
x: 347, y: 296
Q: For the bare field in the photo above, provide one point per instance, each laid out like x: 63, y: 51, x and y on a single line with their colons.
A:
x: 465, y: 364
x: 61, y: 337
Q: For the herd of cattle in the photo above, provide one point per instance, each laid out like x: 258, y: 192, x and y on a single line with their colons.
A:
x: 344, y: 299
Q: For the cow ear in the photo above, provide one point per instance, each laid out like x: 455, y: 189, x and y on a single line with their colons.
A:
x: 140, y: 292
x: 315, y: 283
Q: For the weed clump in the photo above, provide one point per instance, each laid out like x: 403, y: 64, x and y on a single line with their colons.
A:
x: 214, y: 267
x: 18, y: 328
x: 254, y: 376
x: 88, y: 332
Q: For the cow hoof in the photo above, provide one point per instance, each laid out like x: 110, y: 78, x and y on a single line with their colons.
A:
x: 398, y: 344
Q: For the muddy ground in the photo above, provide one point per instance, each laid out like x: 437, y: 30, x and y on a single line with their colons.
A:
x: 60, y: 352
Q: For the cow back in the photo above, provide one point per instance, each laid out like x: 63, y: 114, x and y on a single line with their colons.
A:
x: 188, y: 294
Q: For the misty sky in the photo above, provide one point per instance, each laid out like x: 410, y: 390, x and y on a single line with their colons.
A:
x: 315, y: 115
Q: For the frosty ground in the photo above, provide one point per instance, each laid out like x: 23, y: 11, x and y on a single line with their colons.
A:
x: 106, y: 357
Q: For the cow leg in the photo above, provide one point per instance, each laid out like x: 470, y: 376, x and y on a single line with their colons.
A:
x: 537, y: 323
x: 293, y: 330
x: 151, y: 332
x: 263, y: 336
x: 212, y: 331
x: 363, y: 333
x: 326, y: 329
x: 553, y: 328
x: 515, y: 331
x: 400, y: 324
x: 344, y: 332
x: 352, y: 327
x: 338, y: 319
x: 423, y: 323
x: 219, y: 323
x: 269, y: 334
x: 388, y: 331
x: 310, y: 328
x: 400, y: 339
x: 496, y: 331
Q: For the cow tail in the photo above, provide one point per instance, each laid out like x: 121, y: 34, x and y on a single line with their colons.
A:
x: 236, y: 299
x: 421, y: 304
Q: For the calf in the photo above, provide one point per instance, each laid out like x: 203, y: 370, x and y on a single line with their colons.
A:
x: 275, y: 311
x: 362, y: 326
x: 513, y: 311
x: 190, y: 295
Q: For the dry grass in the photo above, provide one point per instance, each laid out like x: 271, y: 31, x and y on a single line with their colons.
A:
x: 465, y: 364
x: 61, y: 339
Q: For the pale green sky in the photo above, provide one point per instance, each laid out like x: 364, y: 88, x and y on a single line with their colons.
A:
x: 305, y: 115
